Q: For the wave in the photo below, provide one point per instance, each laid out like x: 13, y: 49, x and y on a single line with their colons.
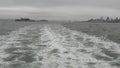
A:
x: 55, y: 46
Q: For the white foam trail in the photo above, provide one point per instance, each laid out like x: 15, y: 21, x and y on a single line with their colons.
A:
x: 54, y: 46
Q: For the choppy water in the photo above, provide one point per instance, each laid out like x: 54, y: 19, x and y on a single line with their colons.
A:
x: 108, y: 30
x: 7, y: 26
x: 55, y: 46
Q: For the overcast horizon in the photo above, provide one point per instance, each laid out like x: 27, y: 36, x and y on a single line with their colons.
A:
x: 59, y: 9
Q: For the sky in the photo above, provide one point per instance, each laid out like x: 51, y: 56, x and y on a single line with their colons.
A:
x: 59, y: 9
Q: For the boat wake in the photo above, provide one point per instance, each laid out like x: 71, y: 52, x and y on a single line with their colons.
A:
x: 54, y: 46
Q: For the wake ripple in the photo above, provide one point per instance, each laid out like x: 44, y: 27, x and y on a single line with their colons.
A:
x: 54, y: 46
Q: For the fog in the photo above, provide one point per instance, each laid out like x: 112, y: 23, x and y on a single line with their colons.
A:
x: 59, y: 9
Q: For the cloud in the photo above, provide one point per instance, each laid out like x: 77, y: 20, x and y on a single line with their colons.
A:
x: 60, y: 9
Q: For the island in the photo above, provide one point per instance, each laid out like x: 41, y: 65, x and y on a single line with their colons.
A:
x: 30, y: 20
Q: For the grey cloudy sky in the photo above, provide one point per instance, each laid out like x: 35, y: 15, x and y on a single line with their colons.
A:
x: 59, y: 9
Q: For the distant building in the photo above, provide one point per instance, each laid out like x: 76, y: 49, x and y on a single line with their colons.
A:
x: 108, y: 19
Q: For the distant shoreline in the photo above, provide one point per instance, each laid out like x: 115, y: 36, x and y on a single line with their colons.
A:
x: 30, y: 20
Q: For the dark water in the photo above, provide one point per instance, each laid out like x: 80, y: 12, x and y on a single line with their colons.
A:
x: 6, y: 26
x: 109, y: 30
